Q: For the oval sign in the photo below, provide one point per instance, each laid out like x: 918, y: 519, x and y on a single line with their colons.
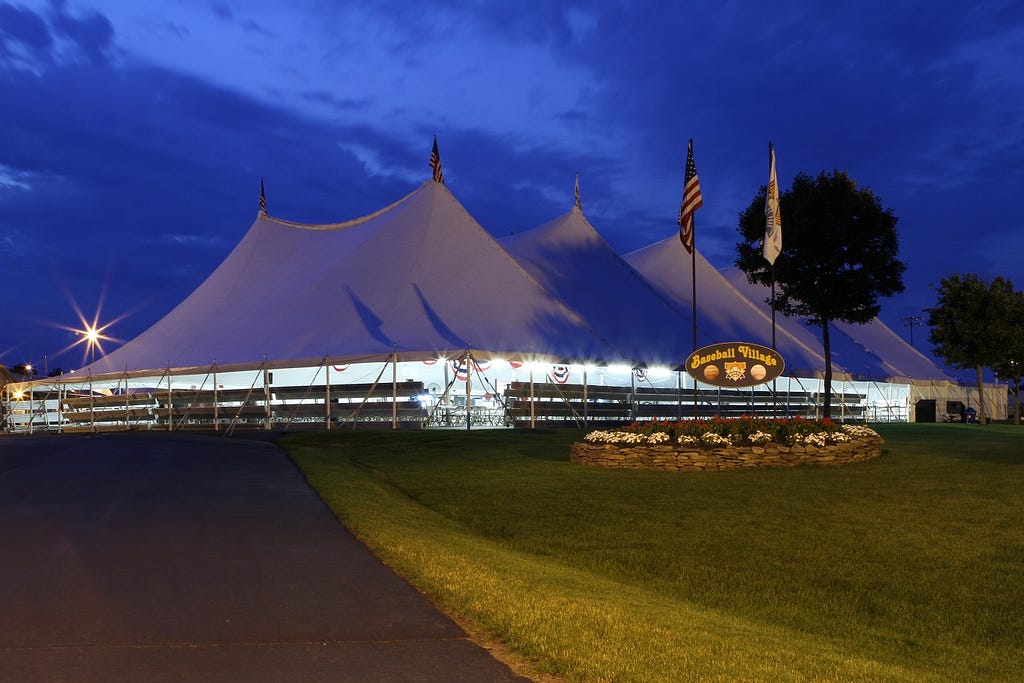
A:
x: 735, y: 364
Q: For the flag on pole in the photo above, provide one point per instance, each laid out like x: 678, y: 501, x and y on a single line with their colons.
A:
x: 263, y: 198
x: 772, y: 213
x: 579, y: 205
x: 692, y: 200
x: 435, y: 164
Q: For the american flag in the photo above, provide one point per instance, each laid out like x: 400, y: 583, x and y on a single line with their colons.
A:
x: 692, y: 200
x: 435, y: 163
x: 263, y: 198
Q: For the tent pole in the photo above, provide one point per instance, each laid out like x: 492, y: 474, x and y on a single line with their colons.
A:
x: 585, y: 395
x: 394, y: 386
x: 327, y: 395
x: 842, y: 401
x: 533, y: 415
x: 216, y: 400
x: 266, y: 390
x: 127, y: 409
x: 92, y: 405
x: 444, y: 396
x: 469, y: 388
x: 632, y: 394
x: 679, y: 396
x: 170, y: 415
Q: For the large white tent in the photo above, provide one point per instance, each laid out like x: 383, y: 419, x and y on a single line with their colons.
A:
x: 420, y: 281
x: 420, y: 277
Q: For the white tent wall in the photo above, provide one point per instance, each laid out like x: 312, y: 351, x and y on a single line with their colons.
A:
x: 946, y: 393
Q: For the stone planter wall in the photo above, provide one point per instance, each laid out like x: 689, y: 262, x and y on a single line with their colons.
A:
x: 690, y: 459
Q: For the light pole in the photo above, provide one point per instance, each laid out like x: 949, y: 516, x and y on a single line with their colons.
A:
x: 912, y: 321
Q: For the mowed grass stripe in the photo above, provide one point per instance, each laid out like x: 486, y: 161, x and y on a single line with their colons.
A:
x: 905, y: 567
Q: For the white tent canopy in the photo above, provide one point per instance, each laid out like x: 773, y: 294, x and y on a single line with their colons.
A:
x: 871, y: 350
x: 575, y: 264
x: 723, y: 314
x: 420, y: 277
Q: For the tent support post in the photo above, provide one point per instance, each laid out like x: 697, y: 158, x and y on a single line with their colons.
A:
x: 533, y: 414
x: 266, y: 390
x: 127, y: 409
x: 842, y: 401
x: 394, y: 387
x: 585, y: 400
x: 92, y: 405
x: 632, y: 394
x: 469, y: 389
x: 170, y: 408
x: 679, y: 396
x: 327, y: 394
x: 216, y: 400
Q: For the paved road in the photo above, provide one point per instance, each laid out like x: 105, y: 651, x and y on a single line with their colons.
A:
x: 154, y: 557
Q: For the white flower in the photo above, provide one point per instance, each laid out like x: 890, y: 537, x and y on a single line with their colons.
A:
x: 657, y: 437
x: 860, y: 431
x: 688, y: 440
x: 760, y: 437
x: 712, y: 439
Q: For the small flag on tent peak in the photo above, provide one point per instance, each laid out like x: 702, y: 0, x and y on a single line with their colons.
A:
x: 435, y: 164
x: 263, y: 198
x: 692, y: 200
x: 579, y: 204
x: 772, y: 213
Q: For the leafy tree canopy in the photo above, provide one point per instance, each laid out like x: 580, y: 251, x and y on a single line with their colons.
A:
x: 839, y: 250
x: 978, y: 324
x: 972, y: 322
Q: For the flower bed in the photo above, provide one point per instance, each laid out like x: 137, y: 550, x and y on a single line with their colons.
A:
x: 719, y: 444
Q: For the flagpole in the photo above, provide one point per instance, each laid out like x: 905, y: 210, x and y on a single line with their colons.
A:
x: 775, y: 407
x: 693, y: 281
x: 692, y: 200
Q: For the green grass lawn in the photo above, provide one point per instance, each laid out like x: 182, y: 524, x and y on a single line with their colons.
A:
x: 907, y: 567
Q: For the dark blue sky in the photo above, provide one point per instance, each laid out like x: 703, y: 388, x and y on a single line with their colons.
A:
x: 134, y: 134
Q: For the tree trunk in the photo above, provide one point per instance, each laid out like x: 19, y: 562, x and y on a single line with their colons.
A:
x: 1016, y: 399
x: 981, y: 399
x: 826, y: 344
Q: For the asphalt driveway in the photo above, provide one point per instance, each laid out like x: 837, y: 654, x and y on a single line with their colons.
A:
x: 177, y: 557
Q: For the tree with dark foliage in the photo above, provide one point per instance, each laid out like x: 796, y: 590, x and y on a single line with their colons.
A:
x: 839, y: 255
x: 977, y: 324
